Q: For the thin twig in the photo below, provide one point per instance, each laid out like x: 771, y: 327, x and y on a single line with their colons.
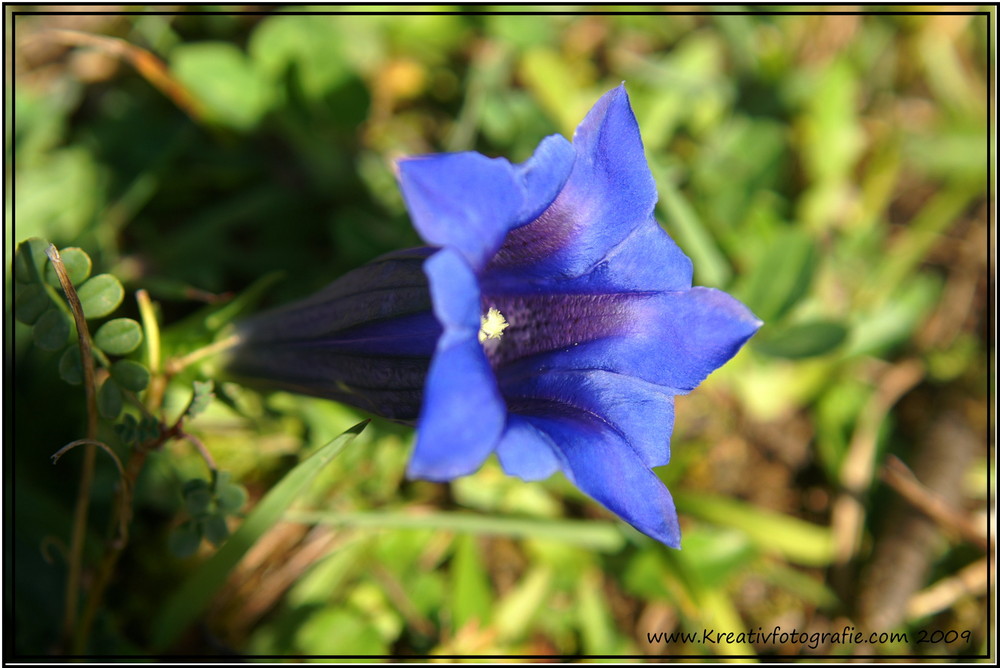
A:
x: 110, y: 559
x: 200, y: 447
x: 898, y: 476
x: 858, y: 469
x: 90, y: 454
x: 86, y: 441
x: 149, y: 66
x: 123, y: 515
x: 973, y: 580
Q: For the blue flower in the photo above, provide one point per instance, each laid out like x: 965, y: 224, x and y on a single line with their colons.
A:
x: 564, y: 321
x: 603, y: 326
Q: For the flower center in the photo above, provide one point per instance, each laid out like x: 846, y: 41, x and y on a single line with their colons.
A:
x: 492, y: 325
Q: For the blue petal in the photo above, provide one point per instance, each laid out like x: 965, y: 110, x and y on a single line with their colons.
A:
x: 641, y: 413
x: 544, y: 174
x: 646, y: 260
x: 464, y: 414
x: 596, y: 460
x: 526, y: 452
x: 465, y: 201
x: 609, y: 195
x: 672, y: 339
x: 469, y: 202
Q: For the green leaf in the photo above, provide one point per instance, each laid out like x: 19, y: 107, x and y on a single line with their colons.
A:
x: 184, y: 540
x: 100, y: 295
x: 591, y: 534
x: 808, y: 339
x: 130, y: 375
x: 149, y: 428
x: 782, y: 276
x: 197, y: 496
x: 710, y: 265
x: 597, y: 628
x: 222, y: 79
x: 119, y: 336
x: 30, y: 260
x: 215, y: 529
x: 51, y: 332
x: 712, y: 555
x: 127, y: 429
x: 77, y: 264
x: 70, y: 366
x: 231, y: 498
x: 795, y: 540
x: 472, y: 596
x: 310, y: 46
x: 192, y: 597
x: 201, y: 398
x: 31, y: 300
x: 109, y: 399
x: 335, y: 630
x: 195, y: 484
x: 517, y: 609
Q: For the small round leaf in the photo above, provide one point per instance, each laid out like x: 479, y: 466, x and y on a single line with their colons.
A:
x: 198, y: 501
x: 184, y: 540
x: 119, y: 336
x: 70, y: 366
x: 30, y: 260
x: 52, y: 330
x: 127, y: 429
x: 215, y: 528
x: 130, y: 375
x: 193, y: 485
x: 77, y: 264
x: 149, y: 428
x: 109, y: 399
x: 30, y: 302
x: 100, y: 295
x: 231, y: 498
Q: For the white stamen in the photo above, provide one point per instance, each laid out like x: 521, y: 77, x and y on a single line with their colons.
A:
x: 492, y: 325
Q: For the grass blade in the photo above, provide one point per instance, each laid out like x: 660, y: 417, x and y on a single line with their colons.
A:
x: 600, y: 536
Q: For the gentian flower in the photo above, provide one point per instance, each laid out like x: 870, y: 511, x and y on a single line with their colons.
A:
x: 564, y: 321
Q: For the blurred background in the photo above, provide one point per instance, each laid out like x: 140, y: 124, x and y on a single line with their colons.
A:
x: 828, y: 170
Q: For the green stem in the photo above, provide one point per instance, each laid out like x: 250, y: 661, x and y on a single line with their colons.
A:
x: 178, y: 364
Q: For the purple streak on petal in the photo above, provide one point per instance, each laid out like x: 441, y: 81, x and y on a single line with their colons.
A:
x: 542, y: 323
x: 672, y: 339
x: 597, y: 461
x: 641, y: 413
x: 526, y: 452
x: 463, y: 414
x: 464, y: 201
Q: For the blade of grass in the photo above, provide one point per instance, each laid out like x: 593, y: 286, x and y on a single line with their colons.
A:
x: 601, y: 536
x: 711, y: 267
x: 194, y: 595
x: 795, y: 540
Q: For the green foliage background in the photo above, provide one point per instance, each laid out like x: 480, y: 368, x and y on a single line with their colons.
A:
x: 828, y: 170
